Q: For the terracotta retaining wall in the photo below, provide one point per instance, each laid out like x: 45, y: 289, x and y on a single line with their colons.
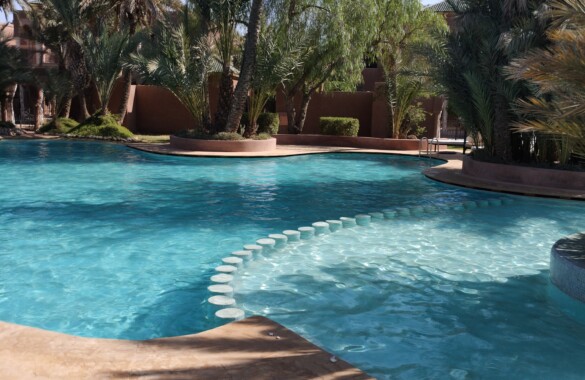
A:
x: 223, y: 145
x: 524, y: 175
x: 352, y: 142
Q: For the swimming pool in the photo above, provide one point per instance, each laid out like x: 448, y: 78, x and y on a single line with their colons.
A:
x: 105, y: 241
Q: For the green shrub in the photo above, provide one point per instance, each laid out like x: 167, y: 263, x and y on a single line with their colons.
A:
x: 58, y: 126
x: 197, y: 134
x: 101, y: 125
x: 7, y: 124
x: 262, y: 136
x: 339, y: 126
x: 268, y: 123
x: 227, y: 136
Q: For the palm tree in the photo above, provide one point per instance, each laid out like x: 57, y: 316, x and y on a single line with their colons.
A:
x: 274, y: 65
x: 220, y: 19
x: 558, y: 109
x: 12, y: 70
x: 131, y: 14
x: 69, y: 17
x: 488, y: 35
x: 104, y: 53
x: 248, y: 66
x: 179, y: 62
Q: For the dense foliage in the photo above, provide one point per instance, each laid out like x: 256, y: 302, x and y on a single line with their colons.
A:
x: 101, y: 125
x: 339, y: 126
x: 268, y: 123
x: 60, y: 125
x: 557, y: 108
x: 511, y: 69
x: 488, y: 36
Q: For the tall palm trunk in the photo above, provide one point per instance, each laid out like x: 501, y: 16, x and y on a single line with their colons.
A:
x: 9, y: 103
x: 127, y: 86
x: 502, y: 133
x: 226, y: 91
x: 79, y: 76
x: 66, y: 108
x: 248, y: 65
x: 39, y: 111
x: 83, y: 105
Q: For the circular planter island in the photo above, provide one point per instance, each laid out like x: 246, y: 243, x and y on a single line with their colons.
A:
x: 223, y: 145
x: 524, y: 175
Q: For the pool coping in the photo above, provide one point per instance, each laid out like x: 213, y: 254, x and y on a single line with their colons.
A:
x: 280, y: 151
x: 253, y: 348
x: 449, y: 172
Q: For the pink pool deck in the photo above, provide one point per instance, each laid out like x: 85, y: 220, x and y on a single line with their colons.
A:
x: 280, y: 151
x: 254, y: 348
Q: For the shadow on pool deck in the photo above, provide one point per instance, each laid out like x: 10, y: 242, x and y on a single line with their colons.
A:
x: 255, y: 348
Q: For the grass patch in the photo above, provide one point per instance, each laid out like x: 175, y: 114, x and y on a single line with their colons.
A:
x: 152, y: 139
x: 61, y: 125
x: 101, y: 125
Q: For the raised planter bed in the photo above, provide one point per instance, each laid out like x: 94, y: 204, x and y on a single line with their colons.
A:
x: 352, y: 142
x: 223, y: 145
x: 524, y: 175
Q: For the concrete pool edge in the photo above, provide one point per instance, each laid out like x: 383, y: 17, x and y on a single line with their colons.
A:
x: 449, y: 172
x: 253, y: 348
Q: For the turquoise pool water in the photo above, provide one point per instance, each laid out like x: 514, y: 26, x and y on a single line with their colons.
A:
x: 458, y: 294
x: 101, y: 240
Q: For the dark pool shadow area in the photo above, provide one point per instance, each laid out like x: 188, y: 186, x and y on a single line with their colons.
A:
x: 393, y: 327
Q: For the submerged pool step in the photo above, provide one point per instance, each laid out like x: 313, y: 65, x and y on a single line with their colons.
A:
x: 348, y: 222
x: 230, y: 314
x: 292, y: 235
x: 222, y: 291
x: 266, y: 243
x: 307, y: 232
x: 280, y: 240
x: 334, y: 225
x: 321, y: 228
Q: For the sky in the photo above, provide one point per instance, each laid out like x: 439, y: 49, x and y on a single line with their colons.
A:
x: 425, y: 2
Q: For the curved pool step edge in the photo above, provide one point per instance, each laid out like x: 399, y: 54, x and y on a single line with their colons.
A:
x: 274, y: 242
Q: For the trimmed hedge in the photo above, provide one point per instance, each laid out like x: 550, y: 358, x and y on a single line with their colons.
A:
x: 268, y: 122
x: 58, y: 126
x: 339, y: 126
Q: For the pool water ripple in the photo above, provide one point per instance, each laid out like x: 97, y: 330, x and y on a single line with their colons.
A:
x: 464, y: 295
x: 103, y: 241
